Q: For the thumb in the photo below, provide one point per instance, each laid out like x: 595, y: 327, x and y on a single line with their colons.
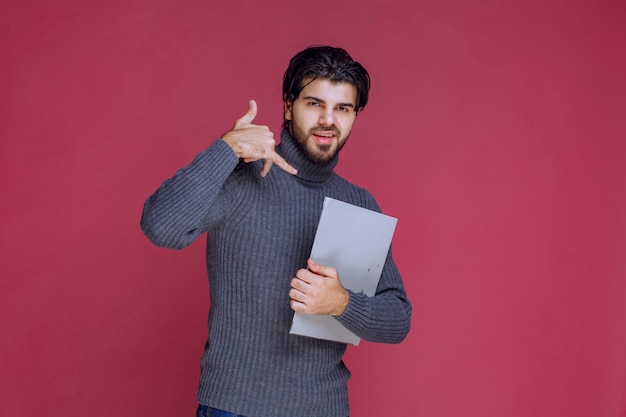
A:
x: 320, y: 269
x: 250, y: 114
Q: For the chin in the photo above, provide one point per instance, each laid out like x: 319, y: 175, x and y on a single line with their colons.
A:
x: 320, y: 158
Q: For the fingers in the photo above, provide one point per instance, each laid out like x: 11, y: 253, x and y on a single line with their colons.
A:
x: 297, y: 306
x: 249, y: 116
x: 278, y: 160
x: 320, y: 269
x: 253, y: 142
x: 266, y: 167
x: 298, y: 289
x: 299, y: 297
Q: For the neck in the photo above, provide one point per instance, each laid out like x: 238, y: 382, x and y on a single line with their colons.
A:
x: 292, y: 152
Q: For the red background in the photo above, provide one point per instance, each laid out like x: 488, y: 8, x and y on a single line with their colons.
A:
x: 496, y: 133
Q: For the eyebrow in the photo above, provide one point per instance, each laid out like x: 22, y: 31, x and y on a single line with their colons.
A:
x: 324, y: 102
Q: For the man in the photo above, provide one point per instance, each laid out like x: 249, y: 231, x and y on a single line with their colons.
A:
x: 259, y: 205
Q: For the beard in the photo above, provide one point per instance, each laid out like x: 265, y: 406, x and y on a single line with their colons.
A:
x: 316, y: 153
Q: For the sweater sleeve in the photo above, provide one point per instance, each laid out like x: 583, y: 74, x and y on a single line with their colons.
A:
x: 385, y: 317
x: 188, y: 204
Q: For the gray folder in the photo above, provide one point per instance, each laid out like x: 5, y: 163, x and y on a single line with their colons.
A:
x: 355, y: 241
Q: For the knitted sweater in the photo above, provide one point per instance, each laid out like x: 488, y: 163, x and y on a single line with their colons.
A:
x: 259, y: 233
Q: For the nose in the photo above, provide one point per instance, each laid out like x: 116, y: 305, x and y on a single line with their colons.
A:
x: 327, y: 117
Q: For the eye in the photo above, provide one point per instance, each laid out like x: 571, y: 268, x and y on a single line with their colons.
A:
x: 314, y: 103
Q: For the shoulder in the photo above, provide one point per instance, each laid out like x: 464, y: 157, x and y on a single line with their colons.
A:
x: 357, y: 195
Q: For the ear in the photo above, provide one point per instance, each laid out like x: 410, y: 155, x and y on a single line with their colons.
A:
x: 288, y: 109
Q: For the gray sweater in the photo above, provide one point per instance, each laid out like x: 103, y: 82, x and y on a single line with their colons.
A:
x: 259, y: 233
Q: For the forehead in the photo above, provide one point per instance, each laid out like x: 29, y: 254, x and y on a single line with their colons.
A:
x: 329, y: 92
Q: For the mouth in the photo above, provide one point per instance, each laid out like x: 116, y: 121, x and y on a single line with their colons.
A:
x: 324, y: 137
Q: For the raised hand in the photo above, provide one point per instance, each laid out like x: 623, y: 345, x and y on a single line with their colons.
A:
x: 317, y: 290
x: 253, y: 142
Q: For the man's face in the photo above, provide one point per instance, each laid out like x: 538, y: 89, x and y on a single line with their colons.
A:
x: 322, y: 117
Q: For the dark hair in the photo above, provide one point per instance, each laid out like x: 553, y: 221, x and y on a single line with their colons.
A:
x: 329, y: 63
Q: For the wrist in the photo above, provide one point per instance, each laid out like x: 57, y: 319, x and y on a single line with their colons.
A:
x: 343, y: 303
x: 226, y: 137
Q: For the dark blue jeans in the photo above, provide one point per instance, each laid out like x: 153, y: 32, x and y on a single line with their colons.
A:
x: 204, y: 411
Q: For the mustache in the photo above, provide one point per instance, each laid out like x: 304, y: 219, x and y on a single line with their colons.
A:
x: 319, y: 129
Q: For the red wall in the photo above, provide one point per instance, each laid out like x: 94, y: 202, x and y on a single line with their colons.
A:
x: 495, y: 132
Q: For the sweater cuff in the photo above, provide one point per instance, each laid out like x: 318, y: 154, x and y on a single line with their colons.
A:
x: 219, y: 155
x: 356, y: 312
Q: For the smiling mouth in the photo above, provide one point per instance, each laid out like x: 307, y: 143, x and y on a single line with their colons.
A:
x: 324, y: 137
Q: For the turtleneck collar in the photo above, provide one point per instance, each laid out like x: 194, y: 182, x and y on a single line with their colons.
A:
x: 307, y: 170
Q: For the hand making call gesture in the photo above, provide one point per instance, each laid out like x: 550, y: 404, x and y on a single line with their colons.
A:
x: 253, y: 142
